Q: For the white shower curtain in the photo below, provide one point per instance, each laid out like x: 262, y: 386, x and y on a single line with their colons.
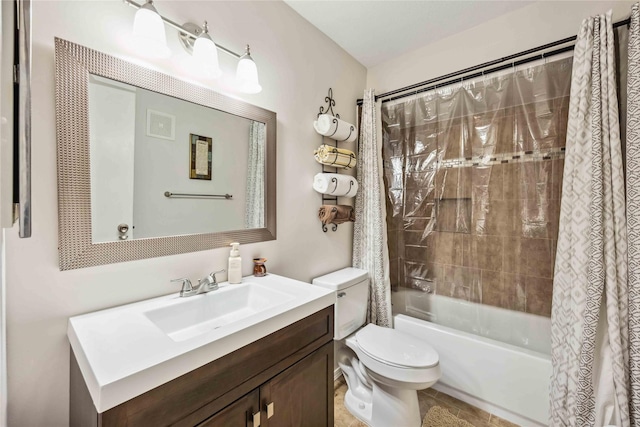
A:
x: 633, y: 211
x: 254, y: 205
x: 370, y: 229
x: 589, y: 332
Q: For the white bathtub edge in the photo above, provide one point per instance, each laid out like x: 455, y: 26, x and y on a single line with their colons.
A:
x: 477, y: 338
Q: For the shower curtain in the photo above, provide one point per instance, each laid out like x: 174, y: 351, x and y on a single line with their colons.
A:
x: 589, y: 316
x: 369, y: 231
x: 633, y: 210
x: 254, y: 205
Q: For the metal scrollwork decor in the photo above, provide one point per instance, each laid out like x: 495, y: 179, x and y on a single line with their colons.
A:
x: 332, y: 103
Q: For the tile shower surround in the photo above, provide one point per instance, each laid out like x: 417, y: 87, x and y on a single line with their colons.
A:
x: 482, y: 226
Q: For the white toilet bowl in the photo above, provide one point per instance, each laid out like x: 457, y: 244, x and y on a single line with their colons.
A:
x: 383, y: 367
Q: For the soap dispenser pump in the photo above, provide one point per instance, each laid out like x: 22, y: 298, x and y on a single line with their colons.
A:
x: 235, y: 264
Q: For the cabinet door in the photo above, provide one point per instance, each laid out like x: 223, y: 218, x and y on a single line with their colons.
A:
x: 238, y: 414
x: 301, y: 395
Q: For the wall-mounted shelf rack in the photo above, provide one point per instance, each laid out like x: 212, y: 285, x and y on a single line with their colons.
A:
x: 327, y: 168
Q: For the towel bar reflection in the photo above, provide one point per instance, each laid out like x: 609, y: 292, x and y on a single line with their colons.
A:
x: 198, y: 196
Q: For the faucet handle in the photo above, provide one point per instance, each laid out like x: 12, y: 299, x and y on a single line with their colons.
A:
x: 213, y: 276
x: 186, y: 286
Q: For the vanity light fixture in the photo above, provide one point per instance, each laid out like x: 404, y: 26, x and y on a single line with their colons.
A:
x: 247, y: 74
x: 197, y: 41
x: 148, y: 31
x: 205, y: 53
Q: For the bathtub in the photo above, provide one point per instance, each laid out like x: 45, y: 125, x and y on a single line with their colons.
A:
x: 495, y: 359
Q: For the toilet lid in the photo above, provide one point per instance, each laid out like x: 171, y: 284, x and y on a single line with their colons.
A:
x: 395, y: 348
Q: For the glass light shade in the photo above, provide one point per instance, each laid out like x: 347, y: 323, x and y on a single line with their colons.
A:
x: 205, y: 54
x: 247, y: 75
x: 148, y: 32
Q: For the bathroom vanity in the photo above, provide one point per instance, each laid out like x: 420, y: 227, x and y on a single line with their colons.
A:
x: 259, y: 353
x: 254, y: 360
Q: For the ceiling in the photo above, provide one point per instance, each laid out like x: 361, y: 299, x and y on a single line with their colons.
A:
x: 377, y: 31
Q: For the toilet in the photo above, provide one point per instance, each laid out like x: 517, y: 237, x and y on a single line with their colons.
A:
x: 384, y: 368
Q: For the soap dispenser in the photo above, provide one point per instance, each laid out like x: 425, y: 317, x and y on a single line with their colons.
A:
x: 235, y: 264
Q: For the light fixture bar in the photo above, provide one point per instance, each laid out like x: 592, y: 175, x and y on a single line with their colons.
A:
x: 182, y: 29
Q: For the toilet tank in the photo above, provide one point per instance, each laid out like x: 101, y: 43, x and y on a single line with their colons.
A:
x: 351, y: 286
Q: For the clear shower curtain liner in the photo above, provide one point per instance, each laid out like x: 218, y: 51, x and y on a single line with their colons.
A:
x: 473, y: 173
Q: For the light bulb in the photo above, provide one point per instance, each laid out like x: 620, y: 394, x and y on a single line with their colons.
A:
x: 148, y: 32
x: 205, y: 54
x: 247, y: 74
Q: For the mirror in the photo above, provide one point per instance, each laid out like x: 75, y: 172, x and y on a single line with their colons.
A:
x: 149, y: 165
x: 162, y: 166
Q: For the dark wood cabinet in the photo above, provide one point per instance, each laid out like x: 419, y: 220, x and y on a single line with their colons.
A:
x: 302, y: 395
x: 291, y: 370
x: 299, y: 396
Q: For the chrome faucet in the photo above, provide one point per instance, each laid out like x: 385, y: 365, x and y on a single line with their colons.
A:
x: 206, y: 284
x: 187, y: 289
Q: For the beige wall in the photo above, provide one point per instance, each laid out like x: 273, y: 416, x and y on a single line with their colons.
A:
x: 531, y: 26
x: 297, y: 65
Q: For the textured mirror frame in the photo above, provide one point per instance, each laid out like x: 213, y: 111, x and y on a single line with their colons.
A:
x: 76, y: 249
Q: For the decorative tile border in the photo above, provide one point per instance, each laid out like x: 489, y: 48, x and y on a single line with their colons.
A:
x: 505, y: 158
x: 489, y: 160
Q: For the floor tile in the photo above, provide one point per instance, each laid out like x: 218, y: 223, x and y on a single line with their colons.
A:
x: 499, y: 422
x: 464, y: 406
x: 430, y: 391
x: 472, y: 419
x: 426, y: 402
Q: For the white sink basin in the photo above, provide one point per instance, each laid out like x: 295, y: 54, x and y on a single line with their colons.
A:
x: 202, y: 313
x: 128, y: 350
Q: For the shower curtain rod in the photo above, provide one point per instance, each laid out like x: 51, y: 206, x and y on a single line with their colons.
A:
x: 485, y: 65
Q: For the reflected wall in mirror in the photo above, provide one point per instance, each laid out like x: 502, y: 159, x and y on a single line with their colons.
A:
x: 154, y: 171
x: 126, y: 162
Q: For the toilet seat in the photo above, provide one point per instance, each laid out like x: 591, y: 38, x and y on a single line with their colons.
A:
x: 385, y: 371
x: 395, y: 348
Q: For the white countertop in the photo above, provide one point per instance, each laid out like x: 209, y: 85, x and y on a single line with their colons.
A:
x: 122, y: 354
